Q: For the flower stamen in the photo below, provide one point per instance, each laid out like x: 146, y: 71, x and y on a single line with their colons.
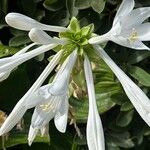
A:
x: 134, y: 36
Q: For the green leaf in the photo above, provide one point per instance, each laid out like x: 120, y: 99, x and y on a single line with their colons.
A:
x: 120, y: 139
x: 82, y: 4
x: 98, y: 5
x: 138, y: 56
x: 19, y: 40
x: 142, y: 76
x: 7, y: 50
x: 54, y: 5
x: 126, y: 106
x: 73, y: 11
x: 124, y: 118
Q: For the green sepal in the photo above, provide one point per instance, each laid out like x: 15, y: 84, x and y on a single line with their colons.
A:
x: 74, y: 25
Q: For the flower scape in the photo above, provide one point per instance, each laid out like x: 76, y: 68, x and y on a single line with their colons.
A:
x: 50, y: 101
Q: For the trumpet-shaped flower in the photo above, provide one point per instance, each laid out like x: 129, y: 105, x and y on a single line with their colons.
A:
x: 128, y: 28
x: 50, y: 101
x: 23, y: 22
x: 4, y: 75
x: 137, y: 97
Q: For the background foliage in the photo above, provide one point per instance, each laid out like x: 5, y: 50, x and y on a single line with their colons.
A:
x: 123, y: 127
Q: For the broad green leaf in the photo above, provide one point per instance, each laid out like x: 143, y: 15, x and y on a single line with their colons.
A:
x: 54, y: 5
x: 19, y: 40
x: 138, y: 56
x: 82, y: 4
x: 98, y: 5
x: 73, y: 11
x: 104, y: 91
x: 6, y: 50
x: 121, y: 139
x: 126, y: 106
x: 124, y: 118
x: 142, y: 76
x: 21, y: 138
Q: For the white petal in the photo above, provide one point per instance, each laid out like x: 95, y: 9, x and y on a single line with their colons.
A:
x: 20, y: 108
x: 61, y: 116
x: 13, y: 118
x: 24, y: 57
x: 32, y: 134
x: 100, y: 39
x: 4, y: 75
x: 15, y: 56
x: 125, y: 8
x: 143, y: 31
x: 40, y: 37
x: 95, y: 135
x: 45, y: 112
x: 136, y: 17
x: 60, y: 82
x: 23, y: 22
x: 124, y: 41
x: 138, y: 98
x: 45, y: 130
x: 22, y: 51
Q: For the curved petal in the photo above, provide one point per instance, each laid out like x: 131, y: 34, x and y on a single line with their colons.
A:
x: 138, y: 98
x: 136, y: 17
x: 130, y: 44
x: 95, y: 135
x: 32, y: 134
x: 45, y: 112
x: 61, y: 116
x: 4, y: 75
x: 20, y: 108
x: 13, y: 118
x: 24, y: 57
x: 125, y: 8
x: 143, y: 31
x: 40, y: 37
x: 23, y: 22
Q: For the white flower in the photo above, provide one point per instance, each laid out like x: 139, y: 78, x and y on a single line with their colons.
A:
x: 95, y: 135
x: 21, y: 107
x: 50, y: 101
x: 8, y: 64
x: 4, y: 75
x: 138, y: 98
x: 23, y: 22
x: 128, y: 28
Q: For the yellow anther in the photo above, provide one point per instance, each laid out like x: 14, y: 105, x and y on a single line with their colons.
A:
x: 134, y: 36
x: 47, y: 107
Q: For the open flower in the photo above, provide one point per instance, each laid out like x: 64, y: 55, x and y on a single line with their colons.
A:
x: 128, y: 28
x: 50, y: 101
x: 4, y: 75
x: 137, y: 97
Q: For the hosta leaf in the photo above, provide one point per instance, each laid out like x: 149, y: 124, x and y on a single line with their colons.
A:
x: 6, y: 50
x: 120, y: 139
x: 82, y: 4
x: 142, y: 76
x: 124, y: 118
x: 126, y: 106
x: 73, y: 11
x: 19, y: 40
x: 98, y: 5
x: 54, y: 5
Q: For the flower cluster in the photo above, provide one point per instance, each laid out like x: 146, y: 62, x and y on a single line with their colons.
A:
x: 51, y: 100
